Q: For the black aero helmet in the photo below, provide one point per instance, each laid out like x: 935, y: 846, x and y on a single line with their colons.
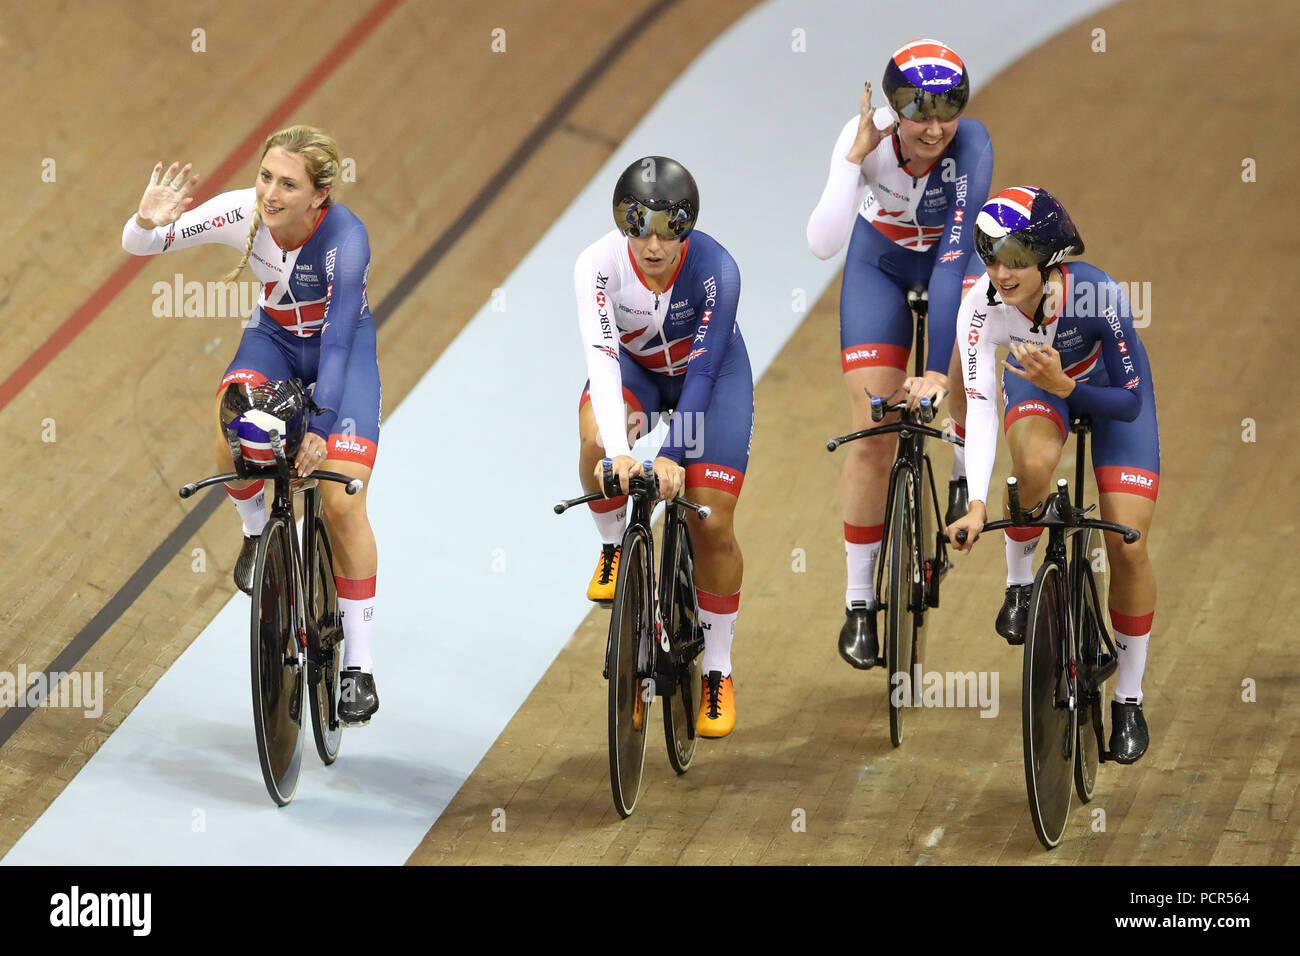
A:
x: 1025, y: 226
x: 252, y: 409
x: 925, y: 78
x: 656, y: 195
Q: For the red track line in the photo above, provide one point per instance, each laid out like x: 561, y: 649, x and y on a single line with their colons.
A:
x: 89, y: 310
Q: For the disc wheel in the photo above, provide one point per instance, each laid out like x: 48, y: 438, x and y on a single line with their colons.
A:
x: 631, y: 691
x: 682, y: 613
x: 1049, y: 727
x: 277, y: 665
x: 323, y: 612
x: 901, y: 651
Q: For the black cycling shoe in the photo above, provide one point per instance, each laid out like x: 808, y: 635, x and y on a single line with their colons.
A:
x: 244, y: 564
x: 1128, y: 732
x: 1014, y: 614
x: 958, y: 501
x: 858, y: 642
x: 358, y: 699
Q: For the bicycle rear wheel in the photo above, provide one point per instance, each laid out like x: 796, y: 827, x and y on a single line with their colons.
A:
x: 900, y: 624
x: 681, y: 610
x: 325, y: 623
x: 1048, y: 722
x: 277, y: 672
x: 631, y: 692
x: 1094, y: 583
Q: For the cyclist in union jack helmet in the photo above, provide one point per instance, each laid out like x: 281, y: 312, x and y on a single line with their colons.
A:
x: 312, y: 323
x: 1073, y: 351
x: 657, y: 304
x: 901, y: 190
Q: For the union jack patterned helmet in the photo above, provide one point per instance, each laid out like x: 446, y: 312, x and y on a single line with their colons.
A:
x: 1025, y: 226
x: 925, y: 79
x: 252, y: 410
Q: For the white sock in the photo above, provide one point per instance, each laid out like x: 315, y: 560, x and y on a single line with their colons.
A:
x: 610, y: 515
x: 718, y: 618
x: 1020, y: 558
x: 250, y: 502
x: 357, y: 610
x: 1132, y: 654
x: 861, y: 549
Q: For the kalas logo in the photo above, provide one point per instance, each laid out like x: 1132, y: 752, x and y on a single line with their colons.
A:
x: 1131, y: 478
x: 719, y: 475
x: 346, y: 444
x: 859, y: 355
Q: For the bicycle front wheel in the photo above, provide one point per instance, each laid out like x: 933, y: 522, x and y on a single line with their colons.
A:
x: 631, y: 691
x: 900, y: 624
x: 323, y: 613
x: 277, y: 672
x: 1094, y: 580
x: 1047, y: 719
x: 682, y: 619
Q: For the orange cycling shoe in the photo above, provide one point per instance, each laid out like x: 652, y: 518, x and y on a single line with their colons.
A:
x: 717, y: 706
x: 605, y: 579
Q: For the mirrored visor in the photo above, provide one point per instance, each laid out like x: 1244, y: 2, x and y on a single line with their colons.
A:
x: 638, y: 220
x: 913, y: 104
x: 1008, y: 250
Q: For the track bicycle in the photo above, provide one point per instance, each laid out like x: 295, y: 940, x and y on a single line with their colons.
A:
x: 655, y: 645
x: 1069, y: 653
x: 296, y: 632
x: 914, y: 556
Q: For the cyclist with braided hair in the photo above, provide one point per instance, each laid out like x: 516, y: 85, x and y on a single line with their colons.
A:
x: 312, y: 322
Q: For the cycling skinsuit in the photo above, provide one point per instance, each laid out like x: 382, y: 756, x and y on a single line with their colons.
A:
x: 312, y: 320
x: 680, y: 349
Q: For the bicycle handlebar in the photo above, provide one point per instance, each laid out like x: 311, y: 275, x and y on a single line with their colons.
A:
x: 646, y: 483
x: 351, y: 485
x: 1038, y: 516
x: 913, y: 420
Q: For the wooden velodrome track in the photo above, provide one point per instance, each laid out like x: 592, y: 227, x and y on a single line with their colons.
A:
x: 1146, y: 141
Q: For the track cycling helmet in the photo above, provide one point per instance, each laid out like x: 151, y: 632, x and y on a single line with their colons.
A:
x: 656, y: 195
x: 925, y: 79
x: 251, y: 410
x: 1025, y: 226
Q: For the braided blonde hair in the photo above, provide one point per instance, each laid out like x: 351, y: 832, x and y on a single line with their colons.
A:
x: 319, y: 154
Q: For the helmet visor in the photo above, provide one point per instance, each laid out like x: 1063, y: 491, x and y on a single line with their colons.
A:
x: 637, y: 220
x: 918, y: 105
x: 1010, y: 251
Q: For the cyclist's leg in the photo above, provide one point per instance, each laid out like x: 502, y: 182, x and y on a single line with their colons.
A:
x: 875, y: 341
x: 610, y: 514
x: 352, y: 446
x: 715, y: 471
x: 257, y: 359
x: 1126, y: 461
x: 1036, y: 423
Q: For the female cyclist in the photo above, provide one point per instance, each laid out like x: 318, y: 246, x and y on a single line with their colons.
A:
x: 909, y: 233
x: 1074, y: 350
x: 657, y: 305
x: 312, y: 322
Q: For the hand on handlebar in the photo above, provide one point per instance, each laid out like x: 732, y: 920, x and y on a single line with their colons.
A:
x: 672, y: 478
x: 972, y: 523
x: 932, y: 385
x: 625, y: 467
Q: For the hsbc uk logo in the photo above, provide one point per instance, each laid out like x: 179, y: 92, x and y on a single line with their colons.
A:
x: 216, y: 222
